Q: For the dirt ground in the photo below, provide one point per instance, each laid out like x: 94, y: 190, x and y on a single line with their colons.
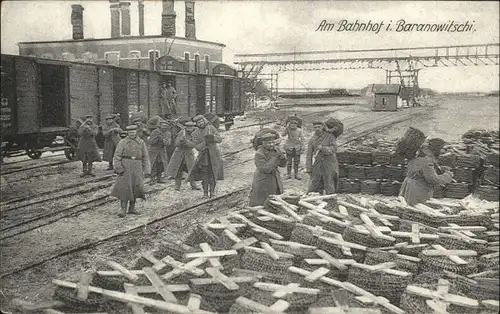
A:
x: 448, y: 118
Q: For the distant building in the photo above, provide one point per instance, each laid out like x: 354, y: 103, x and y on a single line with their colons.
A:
x: 188, y: 53
x: 387, y: 97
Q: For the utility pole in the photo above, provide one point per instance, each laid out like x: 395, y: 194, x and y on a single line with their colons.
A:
x: 293, y: 72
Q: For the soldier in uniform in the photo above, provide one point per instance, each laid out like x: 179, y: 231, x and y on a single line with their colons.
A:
x: 208, y: 166
x: 87, y: 146
x: 321, y: 161
x: 182, y: 159
x: 158, y: 142
x: 111, y: 131
x: 267, y: 178
x: 142, y: 131
x: 131, y: 163
x: 168, y: 96
x: 293, y: 146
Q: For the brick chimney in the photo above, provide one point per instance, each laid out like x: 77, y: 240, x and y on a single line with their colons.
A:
x: 189, y: 20
x: 168, y: 18
x: 77, y: 21
x: 125, y: 13
x: 115, y: 18
x: 141, y: 17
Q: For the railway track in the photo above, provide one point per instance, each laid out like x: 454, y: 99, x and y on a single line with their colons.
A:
x: 350, y: 136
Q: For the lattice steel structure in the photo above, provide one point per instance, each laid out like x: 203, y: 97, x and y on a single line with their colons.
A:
x: 402, y: 65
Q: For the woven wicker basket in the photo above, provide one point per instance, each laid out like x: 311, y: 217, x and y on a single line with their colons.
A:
x: 115, y: 282
x: 316, y: 221
x: 71, y: 303
x: 456, y: 244
x: 441, y: 263
x: 263, y: 262
x: 470, y: 161
x: 353, y: 235
x: 370, y: 187
x: 291, y: 277
x: 381, y: 157
x: 200, y: 235
x: 489, y: 193
x: 374, y: 257
x: 393, y: 173
x: 218, y: 297
x: 299, y: 302
x: 485, y: 264
x: 342, y: 298
x: 303, y: 235
x: 390, y: 188
x: 352, y: 186
x: 492, y: 158
x: 385, y: 209
x: 363, y: 158
x: 448, y: 160
x: 356, y: 172
x: 280, y: 227
x: 464, y: 175
x: 375, y: 172
x: 115, y: 307
x: 336, y: 251
x: 491, y: 174
x: 412, y: 304
x: 346, y: 157
x: 422, y: 218
x: 438, y: 192
x: 343, y: 170
x: 380, y: 283
x: 470, y: 220
x: 397, y: 160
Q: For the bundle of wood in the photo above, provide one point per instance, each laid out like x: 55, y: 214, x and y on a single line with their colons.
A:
x: 489, y: 138
x: 340, y: 245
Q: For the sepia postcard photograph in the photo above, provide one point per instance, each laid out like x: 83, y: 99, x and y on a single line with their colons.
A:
x: 230, y: 156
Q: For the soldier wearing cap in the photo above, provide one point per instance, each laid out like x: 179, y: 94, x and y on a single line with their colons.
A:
x: 131, y: 163
x: 168, y: 97
x: 208, y: 167
x: 293, y: 146
x: 267, y: 178
x: 142, y: 131
x: 424, y: 174
x: 111, y: 131
x: 158, y: 142
x: 183, y: 157
x: 87, y: 150
x: 321, y: 161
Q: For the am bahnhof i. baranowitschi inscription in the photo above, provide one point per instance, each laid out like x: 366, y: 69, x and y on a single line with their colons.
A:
x: 399, y: 26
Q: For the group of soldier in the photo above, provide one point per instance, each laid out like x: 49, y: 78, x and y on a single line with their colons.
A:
x: 164, y: 148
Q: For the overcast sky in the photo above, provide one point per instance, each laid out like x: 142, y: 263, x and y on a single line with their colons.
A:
x: 277, y: 26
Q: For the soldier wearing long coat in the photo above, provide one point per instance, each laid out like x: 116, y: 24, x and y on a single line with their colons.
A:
x: 168, y: 96
x: 182, y: 160
x: 131, y: 162
x: 111, y: 131
x: 158, y: 142
x: 267, y: 178
x: 142, y: 131
x: 87, y: 150
x: 208, y: 166
x: 321, y: 160
x: 422, y: 175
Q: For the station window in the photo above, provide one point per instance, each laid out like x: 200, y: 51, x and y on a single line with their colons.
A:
x: 197, y: 63
x: 112, y: 57
x: 207, y: 64
x: 153, y: 56
x: 68, y: 56
x: 384, y: 101
x: 186, y: 58
x: 134, y: 54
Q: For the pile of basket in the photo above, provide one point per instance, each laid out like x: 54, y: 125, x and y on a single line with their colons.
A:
x: 310, y: 253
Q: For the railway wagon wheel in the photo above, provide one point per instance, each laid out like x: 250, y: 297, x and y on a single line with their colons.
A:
x: 70, y: 153
x: 33, y: 153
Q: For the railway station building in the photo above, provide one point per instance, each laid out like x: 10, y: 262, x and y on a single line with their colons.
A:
x: 156, y: 52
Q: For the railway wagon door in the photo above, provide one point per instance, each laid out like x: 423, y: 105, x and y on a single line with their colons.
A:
x: 182, y: 88
x: 53, y: 95
x: 200, y: 95
x: 228, y: 95
x: 83, y: 91
x: 9, y: 98
x: 236, y: 99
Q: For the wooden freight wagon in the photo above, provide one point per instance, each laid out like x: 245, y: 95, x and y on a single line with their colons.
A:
x: 35, y: 105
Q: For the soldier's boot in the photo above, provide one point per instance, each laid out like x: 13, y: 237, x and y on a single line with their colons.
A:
x: 124, y: 209
x: 288, y: 171
x: 110, y: 167
x: 159, y: 178
x: 152, y: 181
x: 194, y: 186
x: 131, y: 209
x: 296, y: 171
x: 178, y: 183
x: 90, y: 170
x: 204, y: 184
x: 212, y: 188
x: 84, y: 170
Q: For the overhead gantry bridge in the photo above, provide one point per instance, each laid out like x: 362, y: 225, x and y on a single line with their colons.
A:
x: 402, y: 65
